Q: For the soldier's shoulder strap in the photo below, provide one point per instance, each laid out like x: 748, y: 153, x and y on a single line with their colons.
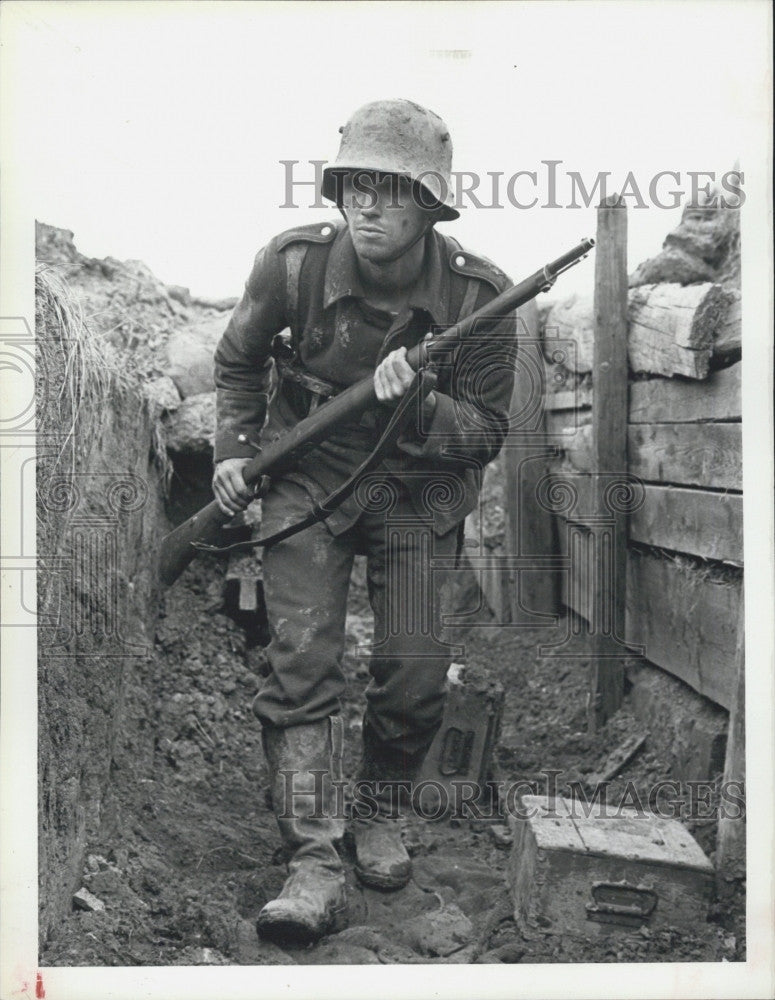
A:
x: 293, y: 244
x: 477, y: 269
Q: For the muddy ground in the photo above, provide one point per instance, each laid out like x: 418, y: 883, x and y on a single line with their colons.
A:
x: 197, y: 854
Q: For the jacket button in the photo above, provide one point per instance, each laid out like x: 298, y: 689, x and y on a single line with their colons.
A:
x: 242, y: 438
x: 460, y: 260
x: 325, y: 231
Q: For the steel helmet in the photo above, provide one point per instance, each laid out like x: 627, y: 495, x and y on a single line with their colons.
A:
x: 397, y: 137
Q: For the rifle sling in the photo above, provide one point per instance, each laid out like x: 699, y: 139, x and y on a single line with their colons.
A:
x: 423, y: 383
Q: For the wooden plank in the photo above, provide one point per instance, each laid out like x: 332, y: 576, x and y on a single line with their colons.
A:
x: 730, y: 844
x: 686, y: 621
x: 667, y: 401
x: 672, y: 327
x: 694, y: 521
x: 681, y: 616
x: 609, y: 446
x: 688, y: 454
x: 703, y: 524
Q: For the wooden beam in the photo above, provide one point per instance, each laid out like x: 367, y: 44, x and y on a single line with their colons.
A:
x: 609, y: 447
x: 688, y: 454
x: 703, y: 524
x: 686, y: 620
x: 672, y: 327
x: 670, y: 401
x: 697, y: 522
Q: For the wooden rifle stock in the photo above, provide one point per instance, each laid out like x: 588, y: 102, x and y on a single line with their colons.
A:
x: 177, y: 549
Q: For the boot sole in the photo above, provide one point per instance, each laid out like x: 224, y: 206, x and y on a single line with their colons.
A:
x: 286, y: 932
x: 282, y: 930
x: 387, y: 883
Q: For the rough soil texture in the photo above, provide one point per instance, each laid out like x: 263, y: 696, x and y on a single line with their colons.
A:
x: 125, y: 303
x: 174, y: 840
x: 100, y: 512
x: 199, y: 854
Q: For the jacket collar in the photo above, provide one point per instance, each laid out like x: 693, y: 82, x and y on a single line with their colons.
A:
x: 430, y: 293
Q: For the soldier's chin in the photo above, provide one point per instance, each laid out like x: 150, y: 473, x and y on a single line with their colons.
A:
x: 376, y: 251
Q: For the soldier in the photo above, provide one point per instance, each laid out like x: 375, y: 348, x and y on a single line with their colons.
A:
x: 355, y: 295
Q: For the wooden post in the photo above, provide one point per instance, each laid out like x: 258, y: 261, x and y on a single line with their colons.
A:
x: 609, y: 450
x: 730, y: 846
x: 530, y: 529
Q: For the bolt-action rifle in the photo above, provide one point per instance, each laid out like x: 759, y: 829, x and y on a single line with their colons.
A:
x: 180, y: 546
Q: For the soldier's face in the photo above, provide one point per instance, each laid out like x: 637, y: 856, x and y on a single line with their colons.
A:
x: 383, y: 217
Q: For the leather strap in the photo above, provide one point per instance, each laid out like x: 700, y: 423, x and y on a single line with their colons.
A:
x: 312, y: 383
x: 294, y: 258
x: 469, y: 299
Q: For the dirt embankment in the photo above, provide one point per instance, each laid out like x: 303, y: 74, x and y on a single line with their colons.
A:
x: 103, y: 473
x: 152, y: 779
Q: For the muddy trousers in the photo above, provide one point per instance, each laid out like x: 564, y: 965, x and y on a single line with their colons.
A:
x: 306, y: 581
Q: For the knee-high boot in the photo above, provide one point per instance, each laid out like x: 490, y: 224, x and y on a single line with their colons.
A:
x: 302, y: 761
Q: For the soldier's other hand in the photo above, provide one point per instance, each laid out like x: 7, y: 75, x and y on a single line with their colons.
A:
x: 393, y: 376
x: 230, y: 489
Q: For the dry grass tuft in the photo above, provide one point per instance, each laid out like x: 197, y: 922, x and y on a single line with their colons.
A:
x: 79, y: 373
x: 79, y: 379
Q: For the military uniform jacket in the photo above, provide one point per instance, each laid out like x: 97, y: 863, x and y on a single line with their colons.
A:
x: 306, y: 280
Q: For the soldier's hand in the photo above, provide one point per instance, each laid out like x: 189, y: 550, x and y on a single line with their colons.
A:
x: 229, y: 487
x: 394, y: 375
